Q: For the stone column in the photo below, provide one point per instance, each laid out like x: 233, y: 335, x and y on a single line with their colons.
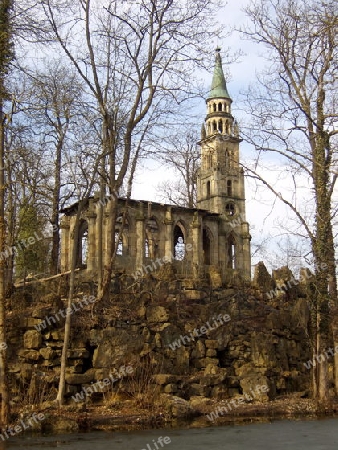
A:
x: 139, y: 238
x: 65, y: 243
x: 196, y: 245
x: 92, y: 248
x: 246, y: 251
x: 169, y: 238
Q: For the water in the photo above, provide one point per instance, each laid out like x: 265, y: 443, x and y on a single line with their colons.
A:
x: 279, y: 435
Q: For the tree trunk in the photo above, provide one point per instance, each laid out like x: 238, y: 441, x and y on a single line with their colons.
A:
x: 3, y: 347
x: 54, y: 264
x: 62, y: 382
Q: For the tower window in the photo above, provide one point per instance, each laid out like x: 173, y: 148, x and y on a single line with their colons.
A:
x: 230, y: 209
x: 219, y: 106
x: 118, y: 244
x: 231, y: 253
x: 220, y: 126
x: 229, y: 188
x: 214, y: 105
x: 208, y: 189
x: 214, y: 125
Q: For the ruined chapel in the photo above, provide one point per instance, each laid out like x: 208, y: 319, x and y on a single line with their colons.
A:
x: 214, y: 236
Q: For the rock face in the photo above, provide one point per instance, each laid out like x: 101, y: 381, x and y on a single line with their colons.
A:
x: 218, y: 344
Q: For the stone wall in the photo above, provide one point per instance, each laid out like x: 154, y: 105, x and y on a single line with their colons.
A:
x: 179, y: 335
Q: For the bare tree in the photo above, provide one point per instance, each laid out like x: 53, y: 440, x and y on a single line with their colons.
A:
x: 181, y: 154
x: 129, y: 56
x: 294, y: 118
x: 53, y: 98
x: 6, y: 56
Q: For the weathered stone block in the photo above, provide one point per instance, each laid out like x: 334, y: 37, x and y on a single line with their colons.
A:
x: 256, y: 387
x: 199, y: 350
x: 211, y: 343
x: 162, y: 378
x: 79, y: 353
x: 204, y: 362
x: 81, y: 378
x: 32, y: 339
x: 170, y: 388
x: 47, y: 353
x: 157, y: 314
x: 29, y: 355
x: 198, y: 389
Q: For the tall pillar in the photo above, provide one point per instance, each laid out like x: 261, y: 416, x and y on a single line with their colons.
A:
x: 196, y: 245
x: 246, y: 251
x: 65, y: 244
x: 92, y: 247
x: 169, y: 238
x: 140, y: 238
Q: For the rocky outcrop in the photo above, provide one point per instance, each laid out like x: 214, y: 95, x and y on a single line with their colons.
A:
x: 180, y: 338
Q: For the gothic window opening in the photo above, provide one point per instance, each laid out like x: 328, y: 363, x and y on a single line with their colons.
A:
x: 220, y: 126
x: 227, y: 158
x: 207, y: 246
x: 209, y: 160
x: 229, y: 188
x: 82, y: 246
x: 146, y: 249
x: 214, y: 105
x: 119, y: 244
x: 208, y: 189
x: 230, y: 209
x: 121, y: 233
x: 214, y: 125
x: 219, y: 106
x: 152, y: 237
x: 179, y: 243
x: 231, y: 252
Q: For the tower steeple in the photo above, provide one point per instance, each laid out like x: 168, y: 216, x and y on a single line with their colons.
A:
x: 218, y: 85
x: 219, y: 118
x: 220, y: 187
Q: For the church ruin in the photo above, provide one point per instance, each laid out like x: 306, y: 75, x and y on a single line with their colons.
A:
x: 213, y: 235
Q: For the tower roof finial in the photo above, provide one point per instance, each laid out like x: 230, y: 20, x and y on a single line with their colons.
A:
x: 218, y: 85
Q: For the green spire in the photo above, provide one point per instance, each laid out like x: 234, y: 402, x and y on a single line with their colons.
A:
x: 218, y: 85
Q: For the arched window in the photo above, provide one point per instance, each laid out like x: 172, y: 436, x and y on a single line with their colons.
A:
x: 214, y: 124
x: 227, y: 159
x: 119, y: 244
x: 214, y: 106
x: 152, y: 237
x: 220, y: 106
x: 230, y: 209
x: 220, y: 126
x: 82, y: 246
x: 179, y: 242
x: 121, y: 235
x: 231, y: 252
x: 146, y: 248
x: 229, y: 188
x: 208, y: 189
x: 207, y: 239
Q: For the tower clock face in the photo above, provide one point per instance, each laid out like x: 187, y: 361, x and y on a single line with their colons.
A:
x: 230, y: 209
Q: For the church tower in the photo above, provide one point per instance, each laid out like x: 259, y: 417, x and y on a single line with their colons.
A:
x: 220, y: 186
